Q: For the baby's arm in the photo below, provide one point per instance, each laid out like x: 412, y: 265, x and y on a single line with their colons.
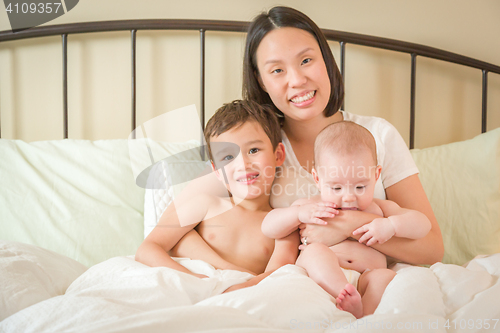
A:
x: 285, y: 252
x: 398, y: 221
x: 154, y: 249
x: 281, y: 222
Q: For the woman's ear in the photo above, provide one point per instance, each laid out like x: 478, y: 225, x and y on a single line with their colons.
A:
x: 259, y: 79
x: 279, y: 153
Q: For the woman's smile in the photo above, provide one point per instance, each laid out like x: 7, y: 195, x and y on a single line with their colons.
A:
x: 303, y: 99
x: 292, y: 71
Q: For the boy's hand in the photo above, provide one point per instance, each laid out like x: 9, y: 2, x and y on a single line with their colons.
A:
x: 312, y: 213
x: 378, y: 231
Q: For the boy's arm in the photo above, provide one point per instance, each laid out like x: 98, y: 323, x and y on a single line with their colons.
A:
x: 154, y: 249
x: 194, y: 247
x: 285, y: 252
x: 398, y: 221
x: 281, y: 222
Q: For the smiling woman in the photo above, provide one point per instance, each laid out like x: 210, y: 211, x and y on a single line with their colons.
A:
x: 292, y: 71
x: 84, y: 203
x: 289, y: 66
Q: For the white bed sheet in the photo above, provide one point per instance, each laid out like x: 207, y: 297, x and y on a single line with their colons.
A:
x: 122, y: 295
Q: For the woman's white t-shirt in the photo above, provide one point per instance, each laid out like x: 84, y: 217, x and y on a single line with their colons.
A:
x: 294, y: 182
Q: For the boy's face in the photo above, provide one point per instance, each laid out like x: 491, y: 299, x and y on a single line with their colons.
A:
x: 347, y: 180
x: 245, y: 158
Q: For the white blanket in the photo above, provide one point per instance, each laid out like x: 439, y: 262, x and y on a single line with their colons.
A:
x: 122, y: 295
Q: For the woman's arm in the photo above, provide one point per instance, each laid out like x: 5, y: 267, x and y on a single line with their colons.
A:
x: 407, y: 193
x: 337, y: 229
x: 397, y: 222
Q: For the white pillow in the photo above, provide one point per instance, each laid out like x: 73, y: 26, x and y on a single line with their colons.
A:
x: 167, y: 179
x: 30, y: 274
x: 462, y: 182
x: 75, y: 197
x: 164, y: 169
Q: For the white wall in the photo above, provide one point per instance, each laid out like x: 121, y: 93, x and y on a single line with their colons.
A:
x: 377, y: 83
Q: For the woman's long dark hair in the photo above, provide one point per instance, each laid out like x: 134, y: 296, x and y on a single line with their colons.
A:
x: 281, y: 17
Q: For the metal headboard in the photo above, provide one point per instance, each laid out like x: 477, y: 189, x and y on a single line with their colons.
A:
x: 414, y: 50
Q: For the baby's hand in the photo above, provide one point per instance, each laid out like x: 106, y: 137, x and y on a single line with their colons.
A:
x: 378, y: 231
x: 312, y: 213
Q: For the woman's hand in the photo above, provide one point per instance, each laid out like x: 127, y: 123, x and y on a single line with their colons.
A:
x: 337, y: 229
x: 330, y: 234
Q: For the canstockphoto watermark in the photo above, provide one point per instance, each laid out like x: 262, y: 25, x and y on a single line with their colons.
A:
x: 25, y: 14
x: 363, y: 323
x: 383, y: 325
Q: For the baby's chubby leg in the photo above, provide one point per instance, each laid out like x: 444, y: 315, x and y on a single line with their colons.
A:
x: 372, y: 285
x: 322, y: 265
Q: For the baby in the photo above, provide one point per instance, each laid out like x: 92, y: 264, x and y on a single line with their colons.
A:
x: 345, y: 172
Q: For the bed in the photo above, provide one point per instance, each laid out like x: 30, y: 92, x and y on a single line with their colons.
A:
x: 73, y: 212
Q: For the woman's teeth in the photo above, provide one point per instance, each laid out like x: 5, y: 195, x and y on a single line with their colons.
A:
x: 304, y: 98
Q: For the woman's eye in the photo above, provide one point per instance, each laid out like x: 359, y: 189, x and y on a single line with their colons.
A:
x: 228, y: 158
x: 277, y: 71
x: 305, y: 61
x: 254, y: 150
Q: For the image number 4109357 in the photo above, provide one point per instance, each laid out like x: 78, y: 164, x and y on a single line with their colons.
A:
x: 25, y: 14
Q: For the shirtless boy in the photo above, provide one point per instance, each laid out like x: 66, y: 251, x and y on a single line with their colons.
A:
x: 345, y: 172
x: 245, y: 148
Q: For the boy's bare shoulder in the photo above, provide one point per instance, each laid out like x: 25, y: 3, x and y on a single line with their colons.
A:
x: 306, y: 201
x: 212, y: 204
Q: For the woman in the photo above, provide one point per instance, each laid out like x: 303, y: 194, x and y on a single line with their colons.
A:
x: 289, y: 65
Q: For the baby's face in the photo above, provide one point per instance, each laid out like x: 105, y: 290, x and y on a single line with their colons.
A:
x: 246, y: 161
x: 347, y: 180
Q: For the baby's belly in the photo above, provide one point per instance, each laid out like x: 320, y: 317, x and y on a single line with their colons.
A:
x: 357, y: 256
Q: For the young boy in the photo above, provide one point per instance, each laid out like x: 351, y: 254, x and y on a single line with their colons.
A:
x: 245, y: 148
x: 345, y: 172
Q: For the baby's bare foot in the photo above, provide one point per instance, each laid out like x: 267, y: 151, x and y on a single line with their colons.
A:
x: 349, y: 300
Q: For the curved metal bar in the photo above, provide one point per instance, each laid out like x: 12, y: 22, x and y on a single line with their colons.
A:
x: 133, y: 36
x: 202, y: 90
x: 413, y: 87
x: 484, y: 102
x: 65, y: 83
x: 238, y: 26
x: 342, y: 68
